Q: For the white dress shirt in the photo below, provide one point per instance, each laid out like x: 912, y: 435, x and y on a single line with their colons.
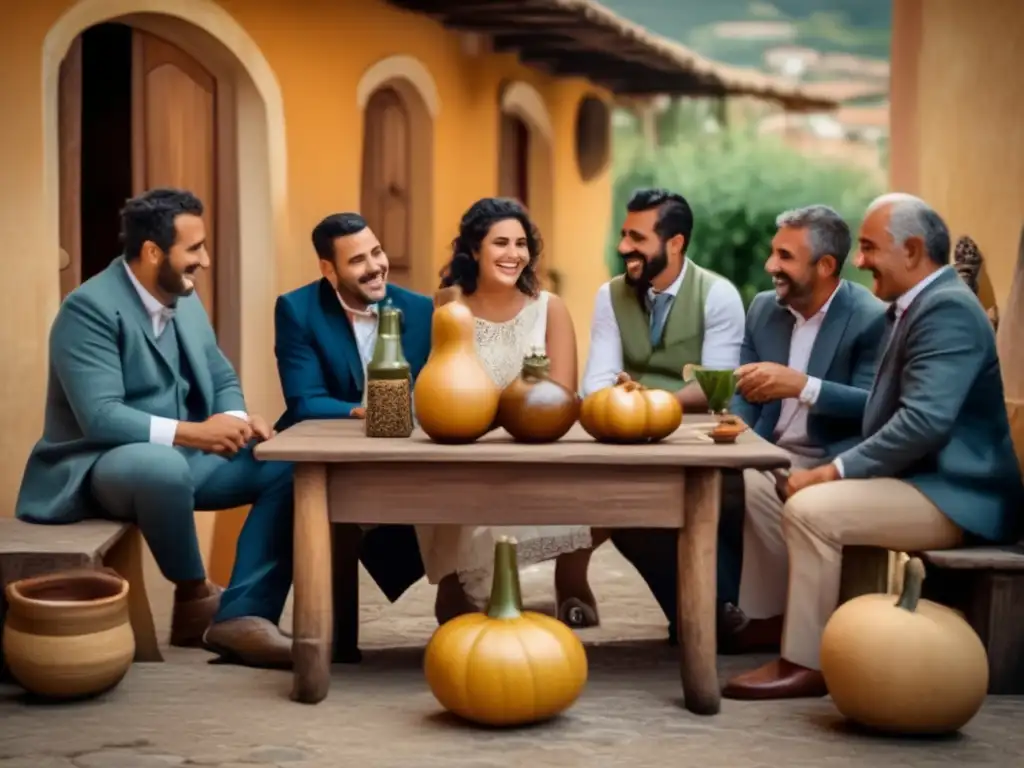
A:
x: 791, y: 429
x: 901, y: 303
x: 364, y: 328
x: 724, y: 323
x: 162, y: 430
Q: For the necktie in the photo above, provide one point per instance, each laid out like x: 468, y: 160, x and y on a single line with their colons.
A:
x: 661, y: 304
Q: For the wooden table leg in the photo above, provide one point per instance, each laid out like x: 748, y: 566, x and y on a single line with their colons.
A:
x: 347, y: 538
x: 696, y: 559
x: 311, y: 642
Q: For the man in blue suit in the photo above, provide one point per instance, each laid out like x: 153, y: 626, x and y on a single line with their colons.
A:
x: 806, y: 366
x: 325, y: 334
x: 145, y: 419
x: 936, y: 464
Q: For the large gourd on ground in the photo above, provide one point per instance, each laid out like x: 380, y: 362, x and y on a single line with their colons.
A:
x: 505, y: 667
x: 454, y: 398
x: 909, y: 666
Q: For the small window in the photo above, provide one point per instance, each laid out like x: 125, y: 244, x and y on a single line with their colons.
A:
x: 593, y: 137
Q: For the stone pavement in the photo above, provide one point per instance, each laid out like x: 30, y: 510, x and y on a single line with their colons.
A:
x: 380, y: 714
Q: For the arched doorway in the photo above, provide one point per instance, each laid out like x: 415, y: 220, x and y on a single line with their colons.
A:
x: 526, y: 163
x: 399, y: 102
x: 189, y: 101
x: 137, y: 111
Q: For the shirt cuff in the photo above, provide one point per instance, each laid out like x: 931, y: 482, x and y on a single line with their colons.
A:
x: 809, y: 394
x: 838, y: 463
x: 238, y: 415
x: 161, y: 430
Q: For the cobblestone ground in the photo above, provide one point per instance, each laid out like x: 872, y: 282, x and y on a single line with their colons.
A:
x: 380, y: 714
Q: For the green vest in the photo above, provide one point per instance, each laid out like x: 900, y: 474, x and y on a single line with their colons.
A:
x: 661, y: 367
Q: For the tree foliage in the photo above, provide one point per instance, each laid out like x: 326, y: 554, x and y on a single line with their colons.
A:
x: 737, y: 183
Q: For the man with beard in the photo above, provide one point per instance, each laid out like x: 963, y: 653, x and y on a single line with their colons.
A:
x: 807, y: 364
x: 664, y: 313
x: 145, y: 419
x: 325, y: 335
x: 936, y: 465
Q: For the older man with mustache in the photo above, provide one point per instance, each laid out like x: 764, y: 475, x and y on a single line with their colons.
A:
x: 325, y: 335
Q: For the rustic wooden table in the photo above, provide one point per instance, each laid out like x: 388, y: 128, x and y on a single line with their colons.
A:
x: 341, y: 476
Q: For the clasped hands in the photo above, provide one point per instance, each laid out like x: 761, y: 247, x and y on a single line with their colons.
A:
x: 765, y: 382
x: 222, y: 433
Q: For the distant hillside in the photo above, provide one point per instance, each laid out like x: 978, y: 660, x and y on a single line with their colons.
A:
x: 857, y: 27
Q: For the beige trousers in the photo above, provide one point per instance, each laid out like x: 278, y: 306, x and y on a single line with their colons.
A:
x: 816, y: 524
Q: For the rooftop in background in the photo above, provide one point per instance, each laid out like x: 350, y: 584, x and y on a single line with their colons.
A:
x: 584, y: 38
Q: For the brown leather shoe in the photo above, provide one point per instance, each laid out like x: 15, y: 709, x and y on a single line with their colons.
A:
x: 779, y: 679
x: 251, y: 642
x: 754, y: 636
x: 190, y: 618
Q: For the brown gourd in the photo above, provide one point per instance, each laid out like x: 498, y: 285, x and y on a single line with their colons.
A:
x: 534, y: 408
x: 630, y: 413
x: 906, y: 666
x: 455, y: 399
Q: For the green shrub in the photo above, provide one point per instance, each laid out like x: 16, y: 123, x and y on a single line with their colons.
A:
x: 737, y: 183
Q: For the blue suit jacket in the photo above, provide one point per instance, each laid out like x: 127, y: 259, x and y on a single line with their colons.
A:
x: 107, y: 379
x: 844, y: 357
x: 936, y: 417
x: 317, y: 356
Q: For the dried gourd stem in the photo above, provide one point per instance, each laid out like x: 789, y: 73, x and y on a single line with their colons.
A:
x: 506, y: 594
x: 913, y: 579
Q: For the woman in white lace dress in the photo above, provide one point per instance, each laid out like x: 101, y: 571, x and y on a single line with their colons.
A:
x: 493, y: 271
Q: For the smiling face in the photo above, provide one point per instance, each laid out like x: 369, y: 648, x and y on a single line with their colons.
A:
x: 359, y: 270
x: 503, y: 255
x: 645, y: 255
x: 175, y: 271
x: 793, y: 272
x: 879, y: 254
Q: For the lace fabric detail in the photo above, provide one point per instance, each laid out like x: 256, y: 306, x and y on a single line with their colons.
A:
x: 469, y: 551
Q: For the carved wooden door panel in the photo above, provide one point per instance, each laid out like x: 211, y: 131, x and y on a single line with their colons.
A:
x: 70, y: 148
x: 174, y: 134
x: 387, y: 161
x: 514, y: 159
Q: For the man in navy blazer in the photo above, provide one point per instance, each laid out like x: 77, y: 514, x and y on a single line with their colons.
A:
x: 325, y: 334
x: 806, y: 365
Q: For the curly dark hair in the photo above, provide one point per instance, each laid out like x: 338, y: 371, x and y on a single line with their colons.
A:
x: 463, y: 270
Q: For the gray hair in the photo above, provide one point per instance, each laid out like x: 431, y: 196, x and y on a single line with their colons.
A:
x: 827, y: 233
x: 911, y: 216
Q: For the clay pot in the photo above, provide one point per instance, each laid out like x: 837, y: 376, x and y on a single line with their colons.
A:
x: 67, y: 635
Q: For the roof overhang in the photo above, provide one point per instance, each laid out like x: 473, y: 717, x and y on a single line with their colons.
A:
x: 582, y: 38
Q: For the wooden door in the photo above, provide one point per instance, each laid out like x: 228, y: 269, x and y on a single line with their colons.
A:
x: 70, y: 147
x: 514, y: 159
x: 387, y: 170
x: 174, y: 134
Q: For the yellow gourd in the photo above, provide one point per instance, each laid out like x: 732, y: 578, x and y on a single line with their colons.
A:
x: 455, y: 400
x: 908, y: 667
x: 507, y: 666
x: 630, y: 413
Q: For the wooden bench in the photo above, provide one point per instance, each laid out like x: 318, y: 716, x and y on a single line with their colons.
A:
x: 28, y: 549
x: 986, y: 584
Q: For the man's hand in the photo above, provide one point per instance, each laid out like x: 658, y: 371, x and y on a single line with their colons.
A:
x: 358, y: 413
x: 805, y: 478
x: 764, y: 382
x: 260, y: 429
x: 221, y: 434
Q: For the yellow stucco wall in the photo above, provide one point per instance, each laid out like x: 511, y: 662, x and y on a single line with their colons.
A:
x: 317, y: 51
x: 958, y: 119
